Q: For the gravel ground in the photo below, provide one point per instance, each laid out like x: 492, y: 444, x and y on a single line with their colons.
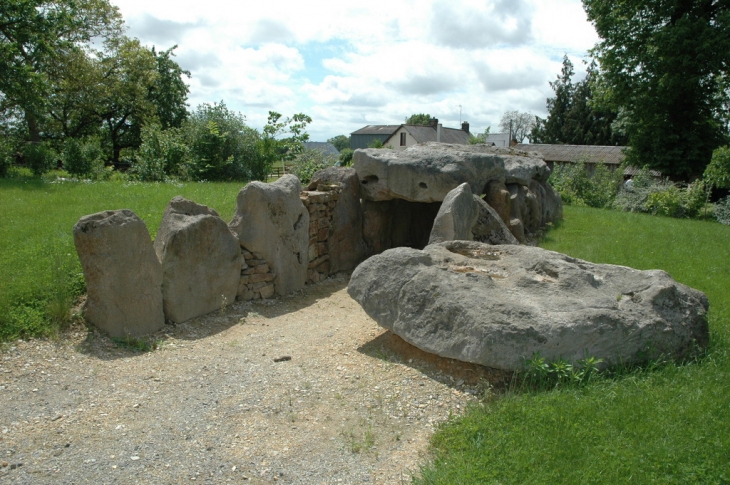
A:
x: 302, y: 389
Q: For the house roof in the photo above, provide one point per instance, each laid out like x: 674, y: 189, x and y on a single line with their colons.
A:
x: 611, y: 155
x: 323, y: 146
x: 422, y: 134
x: 377, y: 130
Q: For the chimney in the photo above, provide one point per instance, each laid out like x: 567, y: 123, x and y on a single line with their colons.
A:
x: 438, y: 133
x: 434, y: 122
x: 465, y: 126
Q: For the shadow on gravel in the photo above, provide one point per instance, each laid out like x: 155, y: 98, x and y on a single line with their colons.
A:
x: 105, y: 348
x: 391, y: 348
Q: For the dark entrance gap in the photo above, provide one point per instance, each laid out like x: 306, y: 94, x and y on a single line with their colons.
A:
x: 398, y: 223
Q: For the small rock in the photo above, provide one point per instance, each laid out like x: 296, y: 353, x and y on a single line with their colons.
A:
x: 283, y: 358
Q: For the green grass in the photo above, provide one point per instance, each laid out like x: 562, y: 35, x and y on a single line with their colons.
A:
x: 36, y: 225
x: 669, y: 425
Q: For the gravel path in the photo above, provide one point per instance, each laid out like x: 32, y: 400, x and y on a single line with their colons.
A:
x: 216, y: 403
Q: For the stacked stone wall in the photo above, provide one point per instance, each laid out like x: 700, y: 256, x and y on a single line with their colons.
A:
x: 321, y: 204
x: 257, y: 279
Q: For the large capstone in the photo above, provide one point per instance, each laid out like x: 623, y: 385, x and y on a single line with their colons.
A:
x: 273, y: 222
x: 123, y: 276
x: 201, y: 260
x: 499, y: 305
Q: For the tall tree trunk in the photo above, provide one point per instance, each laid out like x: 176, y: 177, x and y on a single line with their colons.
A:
x: 34, y: 134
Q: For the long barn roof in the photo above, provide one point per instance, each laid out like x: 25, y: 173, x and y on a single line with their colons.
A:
x: 611, y: 155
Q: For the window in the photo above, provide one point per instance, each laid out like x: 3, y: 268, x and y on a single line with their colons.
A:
x: 402, y: 139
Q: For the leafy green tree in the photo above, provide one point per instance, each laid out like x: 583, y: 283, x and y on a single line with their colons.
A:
x: 578, y: 114
x: 169, y: 93
x: 345, y: 157
x: 38, y: 35
x: 221, y: 146
x: 419, y: 119
x: 309, y: 161
x: 274, y: 145
x: 666, y: 64
x: 341, y: 142
x: 519, y: 125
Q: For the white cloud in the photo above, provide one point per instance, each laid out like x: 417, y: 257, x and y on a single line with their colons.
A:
x: 381, y: 61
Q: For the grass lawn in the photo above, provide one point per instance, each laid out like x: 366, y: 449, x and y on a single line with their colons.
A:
x: 668, y: 425
x: 37, y: 255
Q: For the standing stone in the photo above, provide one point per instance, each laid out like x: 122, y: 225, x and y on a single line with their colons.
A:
x: 345, y: 240
x: 123, y: 275
x: 489, y: 227
x: 201, y: 260
x: 498, y: 197
x: 272, y: 221
x: 456, y: 216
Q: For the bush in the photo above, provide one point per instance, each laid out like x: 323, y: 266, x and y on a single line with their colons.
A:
x: 662, y: 197
x: 722, y: 211
x: 345, y: 157
x: 82, y: 158
x: 39, y: 157
x: 161, y: 154
x: 7, y: 154
x: 577, y: 186
x: 310, y: 161
x: 221, y: 146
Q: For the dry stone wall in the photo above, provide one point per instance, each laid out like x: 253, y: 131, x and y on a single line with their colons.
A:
x: 321, y: 205
x: 257, y: 279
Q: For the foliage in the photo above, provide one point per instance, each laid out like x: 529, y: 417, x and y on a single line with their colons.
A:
x: 419, y: 119
x: 82, y: 158
x: 717, y: 173
x: 722, y: 211
x: 376, y: 143
x: 345, y: 157
x: 39, y: 157
x: 285, y: 148
x: 480, y: 138
x: 660, y: 196
x: 518, y: 125
x: 665, y: 424
x: 7, y: 154
x: 341, y: 142
x: 666, y: 64
x: 169, y: 92
x: 577, y: 115
x: 306, y: 163
x: 540, y: 374
x: 578, y: 186
x: 37, y: 36
x: 162, y: 153
x: 221, y: 146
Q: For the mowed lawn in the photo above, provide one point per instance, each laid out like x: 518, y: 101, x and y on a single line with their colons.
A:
x: 36, y: 234
x: 669, y: 424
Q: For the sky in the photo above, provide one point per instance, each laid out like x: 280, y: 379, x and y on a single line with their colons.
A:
x: 350, y: 64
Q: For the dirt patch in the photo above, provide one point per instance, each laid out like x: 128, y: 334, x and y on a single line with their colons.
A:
x: 302, y: 389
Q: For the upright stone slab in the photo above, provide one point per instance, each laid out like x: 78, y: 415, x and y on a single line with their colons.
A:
x: 201, y: 260
x: 346, y: 247
x: 499, y: 305
x: 123, y: 275
x: 271, y: 220
x: 456, y: 216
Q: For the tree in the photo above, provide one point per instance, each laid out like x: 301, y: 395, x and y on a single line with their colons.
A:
x: 419, y: 119
x: 480, y: 138
x: 340, y: 142
x: 519, y: 125
x: 666, y: 64
x: 275, y: 146
x: 38, y: 35
x: 169, y: 93
x: 577, y: 115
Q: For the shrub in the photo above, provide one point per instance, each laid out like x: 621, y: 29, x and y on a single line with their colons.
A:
x: 6, y: 156
x: 308, y: 162
x: 345, y: 157
x: 722, y: 211
x: 39, y: 157
x: 717, y: 172
x: 162, y: 153
x: 577, y: 186
x: 82, y: 158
